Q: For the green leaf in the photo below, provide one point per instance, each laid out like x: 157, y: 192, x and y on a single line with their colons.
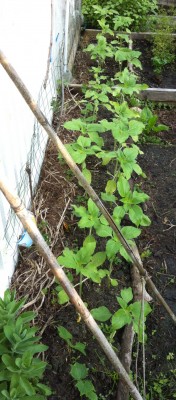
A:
x: 114, y: 282
x: 84, y: 141
x: 90, y: 244
x: 103, y: 230
x: 98, y: 259
x: 44, y: 389
x: 27, y: 359
x: 96, y: 138
x: 87, y: 175
x: 80, y: 347
x: 86, y: 388
x: 4, y: 349
x: 130, y: 232
x: 139, y: 197
x: 9, y: 363
x: 101, y: 314
x: 124, y: 254
x: 127, y: 294
x: 121, y: 318
x: 64, y: 333
x: 122, y: 303
x: 112, y: 248
x: 86, y: 222
x: 137, y: 217
x: 123, y: 186
x: 110, y: 187
x: 73, y: 125
x: 78, y: 371
x: 27, y: 386
x: 135, y: 129
x: 79, y: 211
x: 108, y: 197
x: 62, y: 297
x: 68, y: 259
x: 118, y: 214
x: 92, y: 208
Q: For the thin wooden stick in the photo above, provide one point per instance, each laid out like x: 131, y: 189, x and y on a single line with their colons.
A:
x: 72, y: 165
x: 28, y: 223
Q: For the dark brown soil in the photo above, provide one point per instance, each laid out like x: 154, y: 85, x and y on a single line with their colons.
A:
x: 57, y: 186
x: 166, y: 79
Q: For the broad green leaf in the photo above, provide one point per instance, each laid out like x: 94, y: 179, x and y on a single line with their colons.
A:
x: 108, y: 197
x: 112, y: 248
x: 92, y: 208
x: 98, y: 259
x: 110, y: 186
x: 139, y: 197
x: 79, y: 211
x: 101, y: 314
x: 118, y: 214
x: 124, y: 254
x: 114, y: 282
x: 123, y: 186
x: 86, y: 388
x: 68, y: 259
x: 62, y: 297
x: 86, y: 222
x: 122, y: 303
x: 78, y: 371
x: 130, y: 232
x: 103, y: 230
x: 84, y: 141
x: 135, y: 129
x: 80, y: 347
x: 90, y: 244
x: 64, y: 333
x: 84, y: 255
x: 137, y: 169
x: 127, y: 294
x: 120, y: 131
x: 121, y: 318
x: 137, y: 217
x: 87, y: 175
x: 135, y: 309
x: 74, y: 125
x: 96, y: 138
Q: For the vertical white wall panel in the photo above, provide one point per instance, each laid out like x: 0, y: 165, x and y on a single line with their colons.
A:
x: 25, y: 30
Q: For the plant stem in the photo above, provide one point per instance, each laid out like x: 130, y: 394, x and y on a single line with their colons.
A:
x: 80, y: 284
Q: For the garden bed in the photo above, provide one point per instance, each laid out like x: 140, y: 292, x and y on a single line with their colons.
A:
x: 158, y: 163
x: 58, y: 191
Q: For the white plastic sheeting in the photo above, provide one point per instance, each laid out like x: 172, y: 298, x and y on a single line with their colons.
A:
x: 25, y: 29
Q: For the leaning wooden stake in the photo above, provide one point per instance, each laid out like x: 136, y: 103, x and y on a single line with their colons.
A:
x: 28, y: 223
x: 72, y: 165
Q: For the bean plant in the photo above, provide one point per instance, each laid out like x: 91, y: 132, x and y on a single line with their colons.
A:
x: 114, y: 95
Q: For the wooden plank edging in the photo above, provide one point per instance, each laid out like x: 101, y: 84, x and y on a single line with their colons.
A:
x: 153, y: 94
x: 133, y: 35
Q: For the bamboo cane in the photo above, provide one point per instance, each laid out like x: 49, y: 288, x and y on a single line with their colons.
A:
x: 28, y: 223
x: 72, y: 165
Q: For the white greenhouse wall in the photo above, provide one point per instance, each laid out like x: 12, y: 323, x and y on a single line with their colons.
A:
x: 25, y: 30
